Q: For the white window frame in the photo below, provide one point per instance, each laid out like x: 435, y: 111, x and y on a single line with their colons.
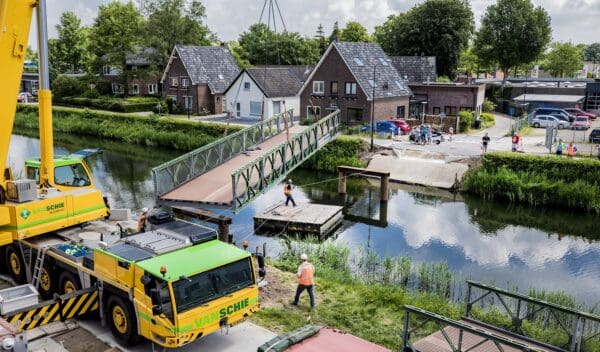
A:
x: 238, y: 109
x: 135, y: 89
x: 352, y: 90
x: 152, y: 88
x: 174, y: 81
x: 117, y: 88
x: 185, y: 83
x: 247, y: 86
x: 256, y: 103
x: 106, y: 70
x: 309, y: 111
x: 277, y: 103
x: 319, y: 87
x: 173, y: 97
x: 134, y: 68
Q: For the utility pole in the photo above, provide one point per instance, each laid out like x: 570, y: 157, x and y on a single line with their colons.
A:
x: 373, y: 106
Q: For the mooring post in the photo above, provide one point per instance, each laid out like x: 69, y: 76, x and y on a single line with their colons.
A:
x: 342, y: 183
x: 385, y: 188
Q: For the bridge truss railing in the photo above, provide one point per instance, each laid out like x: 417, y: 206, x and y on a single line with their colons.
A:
x: 577, y: 327
x: 256, y: 177
x: 178, y: 171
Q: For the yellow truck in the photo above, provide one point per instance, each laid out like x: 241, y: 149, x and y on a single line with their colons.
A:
x: 171, y: 285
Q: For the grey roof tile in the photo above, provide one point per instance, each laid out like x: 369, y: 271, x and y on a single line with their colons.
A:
x: 213, y: 65
x: 281, y: 81
x: 416, y: 68
x: 362, y: 58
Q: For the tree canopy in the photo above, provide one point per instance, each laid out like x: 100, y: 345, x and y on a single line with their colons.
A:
x: 354, y: 32
x: 592, y: 53
x: 564, y: 60
x: 262, y: 46
x: 440, y: 28
x: 69, y: 52
x: 512, y: 33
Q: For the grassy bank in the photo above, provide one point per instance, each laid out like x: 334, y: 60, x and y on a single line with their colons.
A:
x: 365, y: 295
x: 538, y: 180
x: 152, y: 131
x: 344, y: 150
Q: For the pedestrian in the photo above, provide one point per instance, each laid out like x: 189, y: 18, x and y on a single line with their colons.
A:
x: 560, y: 146
x: 515, y: 142
x: 142, y: 220
x: 306, y: 280
x: 484, y: 141
x: 423, y: 134
x: 451, y: 132
x: 429, y: 134
x: 287, y: 191
x: 571, y: 150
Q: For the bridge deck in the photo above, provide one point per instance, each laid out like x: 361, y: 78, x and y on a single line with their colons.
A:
x: 214, y: 186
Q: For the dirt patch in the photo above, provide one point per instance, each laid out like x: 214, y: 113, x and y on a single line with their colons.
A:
x: 81, y: 340
x: 279, y: 290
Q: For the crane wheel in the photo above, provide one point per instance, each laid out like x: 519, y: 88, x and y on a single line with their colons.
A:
x: 47, y: 285
x: 15, y: 264
x: 68, y: 283
x: 122, y: 320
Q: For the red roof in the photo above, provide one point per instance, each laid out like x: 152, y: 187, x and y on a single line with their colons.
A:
x: 331, y: 340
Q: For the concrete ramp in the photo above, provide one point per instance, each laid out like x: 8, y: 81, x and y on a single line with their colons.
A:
x: 419, y: 171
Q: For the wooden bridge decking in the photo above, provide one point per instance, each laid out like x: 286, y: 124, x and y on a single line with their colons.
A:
x: 215, y: 186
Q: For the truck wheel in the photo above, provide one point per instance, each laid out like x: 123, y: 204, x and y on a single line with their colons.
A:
x: 123, y: 322
x: 68, y: 283
x: 47, y: 285
x: 15, y: 264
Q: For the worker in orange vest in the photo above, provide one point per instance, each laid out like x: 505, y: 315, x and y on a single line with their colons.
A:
x: 571, y: 149
x: 306, y: 281
x: 287, y: 191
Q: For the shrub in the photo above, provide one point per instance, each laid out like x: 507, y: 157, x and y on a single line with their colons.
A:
x: 65, y: 86
x: 443, y: 79
x: 488, y: 119
x: 466, y: 119
x: 342, y: 151
x: 488, y: 105
x: 132, y: 104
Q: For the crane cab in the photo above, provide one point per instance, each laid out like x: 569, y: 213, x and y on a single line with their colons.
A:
x: 70, y: 172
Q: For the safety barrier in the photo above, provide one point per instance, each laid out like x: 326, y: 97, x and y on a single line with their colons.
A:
x: 60, y: 308
x: 256, y: 177
x: 178, y: 171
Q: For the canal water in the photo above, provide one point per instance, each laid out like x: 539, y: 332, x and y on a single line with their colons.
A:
x: 511, y: 246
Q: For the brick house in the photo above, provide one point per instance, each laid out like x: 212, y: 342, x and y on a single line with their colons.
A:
x: 196, y: 77
x: 143, y: 69
x: 343, y: 79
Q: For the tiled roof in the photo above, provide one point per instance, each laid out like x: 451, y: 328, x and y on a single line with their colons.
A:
x: 416, y: 68
x: 280, y: 81
x: 361, y: 58
x: 213, y: 65
x: 141, y: 57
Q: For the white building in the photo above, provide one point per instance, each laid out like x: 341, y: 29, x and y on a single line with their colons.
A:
x: 261, y: 92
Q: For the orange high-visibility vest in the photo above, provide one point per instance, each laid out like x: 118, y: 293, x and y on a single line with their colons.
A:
x: 570, y: 151
x: 306, y: 274
x: 287, y: 190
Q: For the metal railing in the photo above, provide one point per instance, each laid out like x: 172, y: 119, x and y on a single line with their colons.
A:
x: 578, y: 326
x: 178, y: 171
x: 442, y: 324
x: 256, y: 177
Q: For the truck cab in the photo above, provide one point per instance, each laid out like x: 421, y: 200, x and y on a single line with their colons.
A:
x: 70, y: 172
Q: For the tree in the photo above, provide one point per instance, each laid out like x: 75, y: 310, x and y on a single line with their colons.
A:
x: 335, y: 33
x: 69, y: 52
x: 321, y: 38
x: 469, y: 62
x: 564, y: 60
x: 261, y: 46
x: 173, y: 22
x: 115, y: 33
x: 513, y: 32
x: 354, y: 32
x: 440, y: 28
x: 592, y: 53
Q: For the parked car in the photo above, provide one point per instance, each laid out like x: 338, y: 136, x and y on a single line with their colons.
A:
x: 25, y: 97
x: 581, y: 123
x: 595, y: 135
x: 549, y: 120
x: 436, y: 137
x: 402, y: 125
x: 559, y: 113
x: 579, y: 112
x: 381, y: 127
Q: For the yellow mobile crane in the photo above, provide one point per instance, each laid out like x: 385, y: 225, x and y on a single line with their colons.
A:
x: 61, y: 193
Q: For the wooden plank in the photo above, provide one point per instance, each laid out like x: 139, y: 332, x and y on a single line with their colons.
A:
x: 364, y: 172
x: 314, y: 219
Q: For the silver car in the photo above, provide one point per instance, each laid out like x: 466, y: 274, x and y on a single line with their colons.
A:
x: 549, y: 120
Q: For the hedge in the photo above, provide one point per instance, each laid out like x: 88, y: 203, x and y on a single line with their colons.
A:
x: 130, y: 128
x: 342, y: 151
x: 112, y: 104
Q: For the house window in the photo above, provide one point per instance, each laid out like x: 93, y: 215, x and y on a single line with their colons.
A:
x: 450, y: 110
x: 135, y: 89
x: 313, y: 112
x: 106, y: 70
x: 400, y: 112
x: 318, y: 87
x: 188, y: 102
x: 174, y: 81
x: 334, y: 88
x: 172, y: 97
x: 185, y: 82
x: 350, y: 88
x: 246, y: 85
x: 436, y: 110
x: 238, y: 109
x: 134, y: 68
x: 276, y: 107
x: 152, y: 89
x: 117, y: 88
x: 355, y: 115
x: 255, y: 108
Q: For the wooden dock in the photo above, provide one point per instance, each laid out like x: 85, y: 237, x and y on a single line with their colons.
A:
x: 304, y: 219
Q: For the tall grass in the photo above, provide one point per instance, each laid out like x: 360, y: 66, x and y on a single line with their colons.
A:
x: 344, y: 150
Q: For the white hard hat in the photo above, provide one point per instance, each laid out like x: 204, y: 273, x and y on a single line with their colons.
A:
x: 290, y: 180
x: 144, y: 210
x: 304, y: 256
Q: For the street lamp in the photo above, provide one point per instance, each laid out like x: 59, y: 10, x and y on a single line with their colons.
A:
x: 187, y: 99
x: 423, y: 104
